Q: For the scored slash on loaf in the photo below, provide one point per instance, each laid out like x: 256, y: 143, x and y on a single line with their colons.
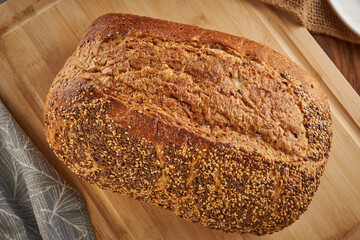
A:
x: 221, y: 130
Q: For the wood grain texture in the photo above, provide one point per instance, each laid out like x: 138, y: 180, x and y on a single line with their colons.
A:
x: 34, y: 49
x: 345, y: 55
x: 353, y: 234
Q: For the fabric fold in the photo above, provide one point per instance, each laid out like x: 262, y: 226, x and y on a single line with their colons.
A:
x: 317, y: 16
x: 35, y: 202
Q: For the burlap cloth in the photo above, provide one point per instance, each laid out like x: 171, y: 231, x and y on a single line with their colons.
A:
x: 317, y: 16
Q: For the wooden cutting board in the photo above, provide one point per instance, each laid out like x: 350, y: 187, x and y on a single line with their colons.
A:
x: 37, y: 36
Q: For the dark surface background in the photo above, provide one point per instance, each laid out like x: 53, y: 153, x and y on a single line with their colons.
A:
x: 345, y: 55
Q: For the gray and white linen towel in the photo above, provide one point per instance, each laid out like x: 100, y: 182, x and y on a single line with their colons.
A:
x: 35, y: 202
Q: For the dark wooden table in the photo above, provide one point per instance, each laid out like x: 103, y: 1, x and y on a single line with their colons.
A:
x: 345, y: 55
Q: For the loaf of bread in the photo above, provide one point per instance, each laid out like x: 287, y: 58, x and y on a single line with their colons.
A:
x: 221, y: 130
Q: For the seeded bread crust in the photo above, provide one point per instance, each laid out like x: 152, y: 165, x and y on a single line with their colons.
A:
x: 221, y: 130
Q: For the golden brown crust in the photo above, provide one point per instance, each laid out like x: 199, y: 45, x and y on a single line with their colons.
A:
x: 110, y: 25
x: 241, y: 152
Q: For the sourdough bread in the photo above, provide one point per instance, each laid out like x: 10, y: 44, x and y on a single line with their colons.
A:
x: 221, y: 130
